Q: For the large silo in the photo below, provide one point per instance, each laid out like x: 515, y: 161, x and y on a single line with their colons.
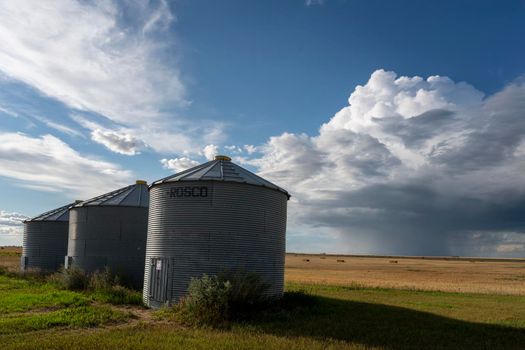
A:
x: 110, y: 231
x: 45, y: 240
x: 209, y: 218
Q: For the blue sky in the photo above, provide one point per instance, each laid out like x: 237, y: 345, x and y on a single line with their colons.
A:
x: 383, y: 119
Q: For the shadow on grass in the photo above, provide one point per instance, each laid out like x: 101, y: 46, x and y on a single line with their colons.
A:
x: 390, y: 327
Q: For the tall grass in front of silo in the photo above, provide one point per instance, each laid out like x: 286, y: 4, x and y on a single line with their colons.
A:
x: 108, y: 287
x: 102, y: 285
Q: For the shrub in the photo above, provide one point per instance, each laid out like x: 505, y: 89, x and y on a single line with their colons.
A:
x: 217, y: 300
x: 103, y: 280
x: 206, y: 302
x: 248, y: 293
x: 72, y: 278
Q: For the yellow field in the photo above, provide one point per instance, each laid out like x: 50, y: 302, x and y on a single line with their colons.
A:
x: 452, y: 275
x: 10, y: 258
x: 498, y: 276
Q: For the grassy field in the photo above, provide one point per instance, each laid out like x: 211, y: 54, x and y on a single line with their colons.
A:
x: 30, y: 304
x: 339, y: 315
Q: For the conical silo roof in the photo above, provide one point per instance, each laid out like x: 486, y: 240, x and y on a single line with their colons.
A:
x: 58, y: 214
x: 135, y: 195
x: 220, y: 169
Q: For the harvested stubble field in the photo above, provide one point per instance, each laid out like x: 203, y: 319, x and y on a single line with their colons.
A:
x: 10, y: 257
x: 344, y: 309
x: 470, y: 275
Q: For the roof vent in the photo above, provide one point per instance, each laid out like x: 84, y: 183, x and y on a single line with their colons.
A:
x: 78, y: 201
x: 226, y: 158
x: 141, y: 182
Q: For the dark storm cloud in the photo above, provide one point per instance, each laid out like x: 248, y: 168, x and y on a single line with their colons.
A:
x: 364, y: 156
x: 410, y: 206
x: 493, y: 134
x: 416, y: 130
x: 416, y: 220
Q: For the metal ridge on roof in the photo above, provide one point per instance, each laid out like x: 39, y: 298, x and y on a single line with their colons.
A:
x: 135, y: 195
x: 220, y: 169
x: 58, y: 214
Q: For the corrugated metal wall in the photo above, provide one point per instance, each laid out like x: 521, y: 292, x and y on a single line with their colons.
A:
x: 44, y: 245
x: 101, y: 236
x: 234, y: 226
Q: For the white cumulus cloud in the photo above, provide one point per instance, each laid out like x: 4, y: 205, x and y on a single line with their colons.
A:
x: 210, y: 151
x: 119, y: 142
x: 250, y: 149
x: 178, y: 164
x: 233, y: 148
x: 11, y: 223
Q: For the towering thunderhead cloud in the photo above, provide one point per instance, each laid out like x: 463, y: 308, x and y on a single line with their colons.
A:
x: 410, y: 166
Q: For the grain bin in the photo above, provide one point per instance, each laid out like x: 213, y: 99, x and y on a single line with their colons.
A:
x: 110, y: 231
x: 45, y: 240
x: 209, y: 218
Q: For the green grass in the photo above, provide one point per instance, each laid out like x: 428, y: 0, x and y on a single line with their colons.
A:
x: 165, y: 336
x: 402, y: 319
x: 324, y: 317
x: 19, y: 295
x: 39, y: 300
x: 118, y: 296
x: 8, y: 282
x: 29, y: 304
x: 506, y: 310
x: 83, y: 316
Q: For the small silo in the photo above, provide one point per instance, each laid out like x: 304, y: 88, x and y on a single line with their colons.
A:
x: 110, y: 231
x: 45, y: 240
x: 209, y: 218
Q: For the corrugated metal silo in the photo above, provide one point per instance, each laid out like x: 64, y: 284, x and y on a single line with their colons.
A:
x: 209, y: 218
x: 45, y: 240
x: 110, y: 231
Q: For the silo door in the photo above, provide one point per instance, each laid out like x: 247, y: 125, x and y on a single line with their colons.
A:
x: 159, y: 280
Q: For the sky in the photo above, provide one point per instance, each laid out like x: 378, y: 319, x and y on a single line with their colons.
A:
x: 397, y: 127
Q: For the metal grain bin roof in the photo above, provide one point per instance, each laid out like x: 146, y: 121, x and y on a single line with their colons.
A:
x: 58, y: 214
x: 135, y: 195
x: 220, y: 169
